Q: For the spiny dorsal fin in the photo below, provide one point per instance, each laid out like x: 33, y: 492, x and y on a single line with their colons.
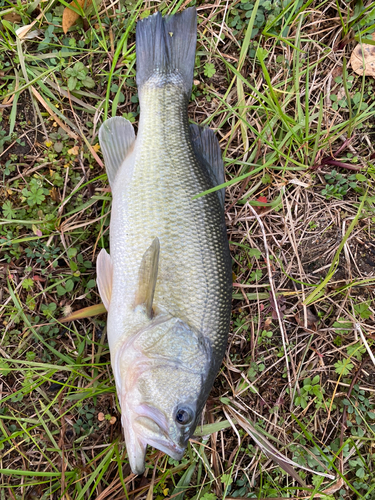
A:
x: 148, y: 274
x: 116, y: 137
x: 207, y: 149
x: 104, y: 271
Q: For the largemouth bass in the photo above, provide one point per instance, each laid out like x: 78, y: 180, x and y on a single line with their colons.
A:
x: 167, y: 283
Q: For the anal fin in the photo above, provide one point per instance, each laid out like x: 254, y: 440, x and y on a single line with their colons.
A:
x: 148, y: 275
x: 116, y: 138
x: 104, y: 271
x: 206, y: 148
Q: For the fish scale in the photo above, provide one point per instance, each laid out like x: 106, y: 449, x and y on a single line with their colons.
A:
x: 158, y: 202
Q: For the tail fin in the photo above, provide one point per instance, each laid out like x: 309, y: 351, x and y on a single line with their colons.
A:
x: 166, y: 46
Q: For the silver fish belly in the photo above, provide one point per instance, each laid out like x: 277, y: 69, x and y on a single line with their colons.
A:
x: 167, y: 282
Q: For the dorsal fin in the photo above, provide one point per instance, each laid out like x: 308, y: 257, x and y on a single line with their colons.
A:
x: 207, y: 149
x: 148, y: 274
x: 104, y: 271
x: 116, y: 138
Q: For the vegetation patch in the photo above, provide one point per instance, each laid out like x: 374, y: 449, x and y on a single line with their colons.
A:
x: 295, y: 122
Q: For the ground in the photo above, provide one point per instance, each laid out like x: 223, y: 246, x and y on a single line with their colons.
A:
x: 295, y: 124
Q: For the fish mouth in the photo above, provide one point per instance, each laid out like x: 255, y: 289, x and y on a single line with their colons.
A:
x: 156, y: 436
x: 149, y: 427
x: 153, y: 426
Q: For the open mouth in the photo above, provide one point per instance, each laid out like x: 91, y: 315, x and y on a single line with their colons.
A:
x: 171, y: 449
x: 153, y: 428
x: 149, y: 428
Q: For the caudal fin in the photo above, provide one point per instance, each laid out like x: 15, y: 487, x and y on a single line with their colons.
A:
x: 166, y: 47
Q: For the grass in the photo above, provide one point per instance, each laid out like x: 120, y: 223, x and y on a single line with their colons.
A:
x: 295, y: 124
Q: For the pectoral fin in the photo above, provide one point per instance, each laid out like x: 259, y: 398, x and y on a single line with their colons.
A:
x: 116, y: 137
x: 104, y: 271
x: 148, y: 274
x: 207, y: 149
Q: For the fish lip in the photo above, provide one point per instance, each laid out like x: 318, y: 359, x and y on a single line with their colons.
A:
x: 169, y: 448
x: 137, y: 465
x: 149, y: 426
x: 136, y: 449
x: 163, y: 443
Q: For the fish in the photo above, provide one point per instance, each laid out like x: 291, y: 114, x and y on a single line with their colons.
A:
x: 167, y: 282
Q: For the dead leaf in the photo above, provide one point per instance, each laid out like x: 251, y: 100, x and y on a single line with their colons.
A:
x: 38, y: 278
x: 24, y: 32
x: 8, y: 100
x: 12, y: 17
x: 341, y: 94
x: 364, y: 53
x: 36, y: 230
x: 297, y: 182
x: 70, y: 17
x: 337, y: 71
x: 280, y: 306
x: 55, y: 195
x: 311, y: 319
x: 267, y: 324
x: 335, y: 487
x: 48, y: 108
x: 74, y: 150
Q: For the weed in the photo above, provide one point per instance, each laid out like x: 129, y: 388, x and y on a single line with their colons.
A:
x: 4, y: 368
x: 264, y: 337
x: 4, y: 138
x: 42, y: 254
x: 343, y: 367
x: 209, y: 70
x: 27, y: 284
x: 358, y: 102
x: 269, y: 13
x: 59, y: 138
x: 8, y: 210
x: 363, y: 309
x: 78, y: 77
x: 65, y: 288
x: 363, y: 17
x: 338, y: 185
x: 34, y: 194
x: 360, y: 409
x: 256, y: 275
x: 129, y: 116
x: 48, y: 309
x: 85, y: 424
x: 310, y: 388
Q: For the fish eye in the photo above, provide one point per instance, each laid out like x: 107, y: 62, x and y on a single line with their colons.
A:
x: 184, y: 415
